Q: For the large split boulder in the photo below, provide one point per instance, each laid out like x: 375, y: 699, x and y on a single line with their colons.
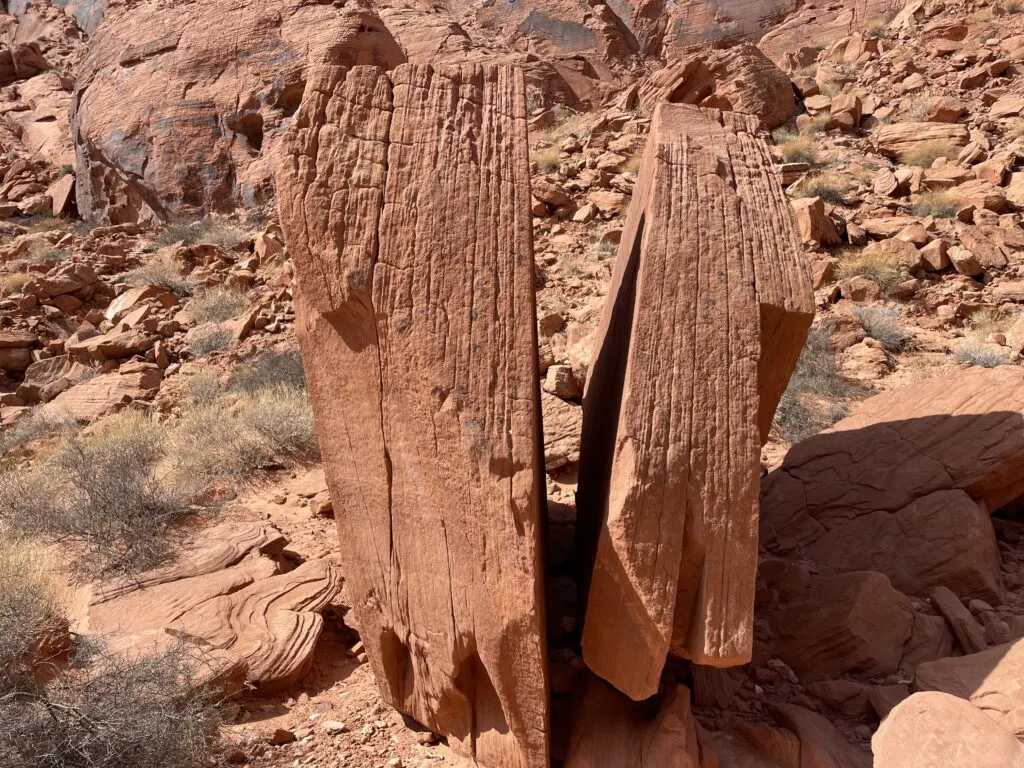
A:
x: 906, y: 485
x: 405, y: 201
x: 710, y: 254
x: 175, y: 116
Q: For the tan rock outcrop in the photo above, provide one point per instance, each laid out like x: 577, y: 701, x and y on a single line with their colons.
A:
x: 897, y: 139
x: 935, y: 730
x: 175, y: 116
x: 992, y: 680
x: 674, y: 535
x: 405, y: 201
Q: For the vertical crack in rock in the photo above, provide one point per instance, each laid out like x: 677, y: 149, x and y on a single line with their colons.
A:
x: 405, y: 201
x: 709, y: 308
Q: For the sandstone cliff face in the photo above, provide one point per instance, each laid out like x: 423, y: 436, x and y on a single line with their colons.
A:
x: 174, y: 115
x: 709, y: 307
x: 405, y: 201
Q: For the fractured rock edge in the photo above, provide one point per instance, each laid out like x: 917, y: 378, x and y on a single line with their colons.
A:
x: 668, y: 486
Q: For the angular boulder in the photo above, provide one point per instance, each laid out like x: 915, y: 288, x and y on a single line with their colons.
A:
x: 854, y: 623
x: 898, y: 139
x: 667, y: 503
x: 405, y: 203
x: 738, y: 78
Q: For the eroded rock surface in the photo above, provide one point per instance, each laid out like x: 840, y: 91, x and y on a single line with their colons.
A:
x: 226, y: 595
x: 905, y: 485
x: 675, y: 536
x: 405, y: 202
x: 174, y: 116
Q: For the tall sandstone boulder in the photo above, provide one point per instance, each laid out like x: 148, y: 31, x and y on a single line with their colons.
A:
x: 174, y: 115
x: 405, y: 200
x: 709, y: 308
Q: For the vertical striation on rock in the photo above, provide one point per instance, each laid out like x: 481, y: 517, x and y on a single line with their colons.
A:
x: 405, y: 199
x: 708, y: 311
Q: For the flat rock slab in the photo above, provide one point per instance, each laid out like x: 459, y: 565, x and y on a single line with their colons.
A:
x: 709, y: 309
x: 405, y: 202
x: 225, y: 595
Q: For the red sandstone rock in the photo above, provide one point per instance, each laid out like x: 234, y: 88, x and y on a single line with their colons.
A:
x: 962, y: 432
x: 854, y: 623
x: 739, y: 78
x: 610, y: 730
x: 176, y: 116
x: 405, y: 205
x: 675, y: 537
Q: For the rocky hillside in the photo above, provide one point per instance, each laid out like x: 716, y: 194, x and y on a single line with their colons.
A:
x: 606, y: 494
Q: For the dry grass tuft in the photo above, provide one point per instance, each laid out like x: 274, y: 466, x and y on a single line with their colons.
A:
x: 796, y: 147
x: 876, y: 266
x: 814, y: 398
x: 885, y: 324
x: 215, y: 305
x: 943, y: 205
x: 14, y: 283
x: 161, y: 272
x: 926, y: 153
x: 830, y: 186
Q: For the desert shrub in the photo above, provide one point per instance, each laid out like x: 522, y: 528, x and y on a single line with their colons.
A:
x: 874, y: 265
x: 884, y: 324
x: 546, y: 159
x: 605, y: 249
x: 107, y: 711
x: 159, y: 272
x: 926, y: 153
x: 102, y: 494
x: 14, y: 283
x: 233, y: 440
x: 829, y: 186
x: 875, y: 29
x: 40, y: 252
x: 215, y: 305
x: 1011, y: 6
x: 206, y: 341
x: 29, y: 605
x: 943, y: 205
x: 981, y: 356
x: 31, y: 427
x: 202, y: 388
x: 268, y: 370
x: 208, y: 230
x: 988, y: 320
x: 915, y: 109
x: 795, y: 147
x: 813, y: 399
x: 633, y: 163
x: 567, y: 124
x: 65, y: 169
